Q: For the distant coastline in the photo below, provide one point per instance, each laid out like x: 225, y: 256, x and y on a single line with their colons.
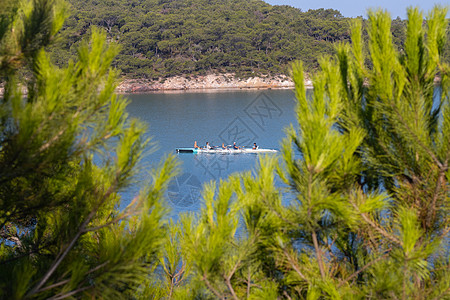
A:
x: 200, y: 83
x: 207, y: 82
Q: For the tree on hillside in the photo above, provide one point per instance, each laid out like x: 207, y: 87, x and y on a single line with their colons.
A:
x: 67, y: 149
x: 197, y: 37
x: 367, y: 171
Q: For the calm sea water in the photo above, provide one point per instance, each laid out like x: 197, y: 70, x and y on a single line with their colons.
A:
x: 179, y: 119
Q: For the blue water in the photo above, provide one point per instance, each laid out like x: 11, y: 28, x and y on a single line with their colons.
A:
x: 180, y: 118
x: 177, y: 119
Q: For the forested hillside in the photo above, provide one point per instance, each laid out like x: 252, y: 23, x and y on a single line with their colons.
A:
x: 162, y: 38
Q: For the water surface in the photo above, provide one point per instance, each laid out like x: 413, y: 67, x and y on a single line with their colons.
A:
x: 178, y: 119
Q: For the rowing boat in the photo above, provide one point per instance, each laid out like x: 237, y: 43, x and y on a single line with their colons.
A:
x: 224, y: 151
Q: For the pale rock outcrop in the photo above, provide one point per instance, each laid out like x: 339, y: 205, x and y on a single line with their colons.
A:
x: 222, y: 81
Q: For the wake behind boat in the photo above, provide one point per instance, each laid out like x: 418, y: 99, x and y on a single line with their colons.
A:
x: 224, y: 151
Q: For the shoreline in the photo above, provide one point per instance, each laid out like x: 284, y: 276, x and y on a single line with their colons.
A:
x: 202, y: 90
x: 204, y: 84
x: 207, y: 83
x: 200, y: 84
x: 119, y: 91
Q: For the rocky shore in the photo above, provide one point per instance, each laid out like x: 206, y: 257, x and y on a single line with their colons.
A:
x: 222, y: 81
x: 207, y: 82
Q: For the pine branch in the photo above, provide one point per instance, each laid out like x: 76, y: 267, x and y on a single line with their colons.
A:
x: 51, y: 141
x: 318, y: 254
x: 81, y: 230
x: 233, y: 271
x: 416, y: 138
x: 68, y: 280
x: 210, y: 287
x: 377, y: 228
x: 125, y: 214
x: 287, y: 295
x: 248, y: 282
x: 70, y: 294
x: 60, y: 258
x: 230, y: 287
x: 432, y: 211
x: 175, y: 279
x: 55, y: 285
x: 364, y: 268
x: 294, y: 266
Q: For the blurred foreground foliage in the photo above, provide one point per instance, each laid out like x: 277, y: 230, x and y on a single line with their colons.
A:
x: 67, y: 149
x: 364, y: 211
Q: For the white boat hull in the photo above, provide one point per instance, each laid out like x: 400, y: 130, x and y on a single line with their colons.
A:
x: 224, y: 151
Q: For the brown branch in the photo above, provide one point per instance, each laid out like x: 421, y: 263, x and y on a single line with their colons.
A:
x: 294, y: 266
x: 228, y: 280
x: 431, y: 211
x: 230, y: 287
x: 61, y: 257
x: 19, y: 257
x: 68, y: 280
x: 233, y: 270
x: 318, y: 254
x: 179, y: 275
x: 175, y: 279
x: 287, y: 295
x: 209, y: 286
x: 51, y: 141
x: 54, y: 285
x: 363, y: 268
x: 248, y: 283
x: 446, y: 231
x: 378, y: 228
x: 69, y: 294
x: 172, y: 285
x: 127, y: 212
x: 98, y: 267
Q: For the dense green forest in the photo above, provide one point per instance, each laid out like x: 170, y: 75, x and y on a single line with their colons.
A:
x: 163, y: 38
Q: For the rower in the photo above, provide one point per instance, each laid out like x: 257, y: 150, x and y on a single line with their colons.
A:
x: 223, y: 146
x: 255, y: 146
x: 195, y: 145
x: 208, y: 147
x: 234, y: 146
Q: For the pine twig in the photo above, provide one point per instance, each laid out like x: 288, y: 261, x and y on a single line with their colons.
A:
x: 294, y: 266
x: 228, y: 280
x: 417, y: 139
x: 210, y: 287
x: 230, y: 287
x: 61, y: 257
x: 248, y: 283
x: 363, y: 268
x: 318, y: 254
x: 378, y: 228
x: 287, y: 295
x: 439, y: 183
x: 69, y: 294
x: 126, y: 213
x: 68, y: 280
